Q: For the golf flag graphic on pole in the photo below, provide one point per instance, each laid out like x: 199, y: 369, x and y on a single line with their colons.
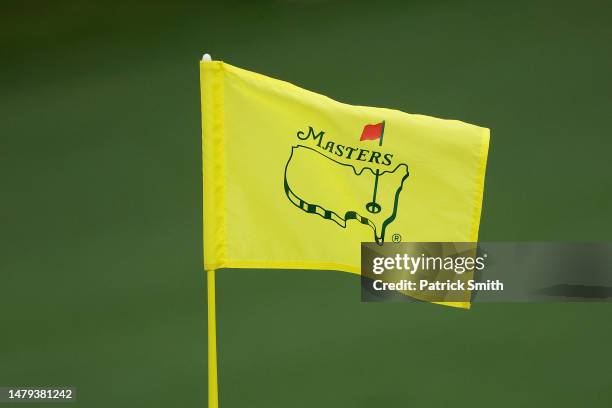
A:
x: 294, y: 179
x: 372, y: 132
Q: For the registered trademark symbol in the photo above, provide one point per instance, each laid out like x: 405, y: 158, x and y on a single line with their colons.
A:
x: 396, y: 238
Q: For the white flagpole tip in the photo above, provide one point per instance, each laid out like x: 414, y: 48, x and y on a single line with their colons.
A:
x: 206, y: 57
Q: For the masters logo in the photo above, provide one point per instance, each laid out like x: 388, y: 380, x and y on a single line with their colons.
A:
x: 370, y: 171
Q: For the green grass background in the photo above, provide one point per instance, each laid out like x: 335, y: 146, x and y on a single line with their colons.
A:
x: 101, y: 284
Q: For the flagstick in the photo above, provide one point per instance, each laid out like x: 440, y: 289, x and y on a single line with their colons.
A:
x: 373, y: 206
x: 213, y: 385
x: 213, y: 391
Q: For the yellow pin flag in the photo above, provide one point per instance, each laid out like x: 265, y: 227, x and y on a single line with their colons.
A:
x: 294, y: 179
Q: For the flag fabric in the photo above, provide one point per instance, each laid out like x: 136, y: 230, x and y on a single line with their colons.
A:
x: 287, y: 184
x: 372, y: 132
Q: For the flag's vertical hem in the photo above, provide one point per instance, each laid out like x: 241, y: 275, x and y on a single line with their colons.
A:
x: 479, y: 181
x: 479, y: 192
x: 213, y: 388
x: 213, y: 164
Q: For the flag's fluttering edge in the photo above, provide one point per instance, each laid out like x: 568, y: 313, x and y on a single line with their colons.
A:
x: 288, y: 184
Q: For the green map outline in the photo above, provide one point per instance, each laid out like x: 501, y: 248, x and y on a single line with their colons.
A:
x: 349, y: 215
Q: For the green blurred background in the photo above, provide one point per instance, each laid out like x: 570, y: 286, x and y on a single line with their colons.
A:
x: 101, y: 284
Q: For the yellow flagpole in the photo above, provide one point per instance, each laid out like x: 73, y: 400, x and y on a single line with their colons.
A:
x: 213, y: 385
x: 213, y: 390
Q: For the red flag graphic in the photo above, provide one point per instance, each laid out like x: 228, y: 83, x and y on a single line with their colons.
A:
x: 372, y: 132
